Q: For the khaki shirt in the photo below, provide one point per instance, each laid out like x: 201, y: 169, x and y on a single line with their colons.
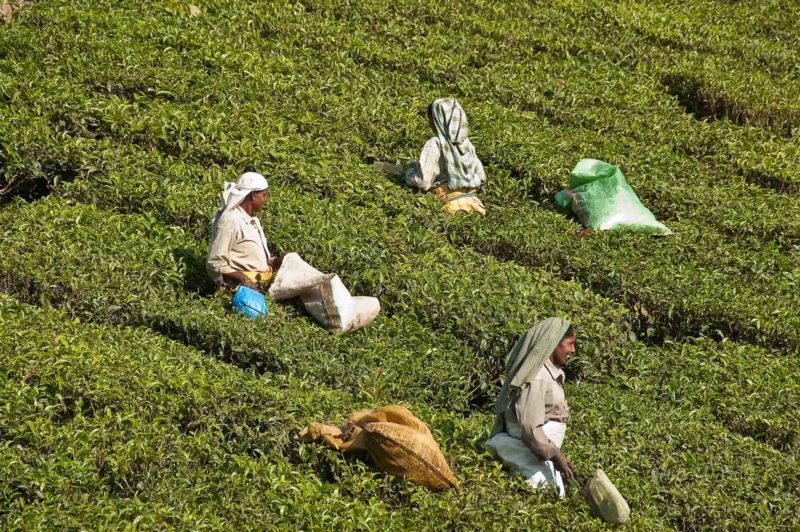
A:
x: 533, y: 405
x: 238, y: 244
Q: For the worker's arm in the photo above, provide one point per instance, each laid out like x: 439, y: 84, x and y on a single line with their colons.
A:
x: 531, y: 415
x: 424, y: 172
x: 217, y: 261
x: 529, y: 407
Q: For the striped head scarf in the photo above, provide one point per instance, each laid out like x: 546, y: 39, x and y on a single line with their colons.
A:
x: 449, y: 121
x: 526, y: 359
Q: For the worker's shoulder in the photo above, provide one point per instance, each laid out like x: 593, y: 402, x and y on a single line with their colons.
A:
x: 543, y: 374
x: 231, y: 217
x: 432, y: 142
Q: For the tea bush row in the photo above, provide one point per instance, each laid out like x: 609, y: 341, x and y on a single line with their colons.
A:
x: 571, y: 107
x: 602, y: 406
x: 646, y: 307
x: 727, y: 325
x: 479, y: 322
x: 763, y: 265
x: 107, y: 425
x: 185, y: 59
x: 148, y: 84
x: 142, y: 278
x: 145, y: 111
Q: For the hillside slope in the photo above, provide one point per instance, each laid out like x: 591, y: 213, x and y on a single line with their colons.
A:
x: 130, y: 394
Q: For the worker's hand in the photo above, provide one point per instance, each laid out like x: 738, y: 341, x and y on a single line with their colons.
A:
x: 275, y: 263
x: 249, y: 284
x: 563, y: 465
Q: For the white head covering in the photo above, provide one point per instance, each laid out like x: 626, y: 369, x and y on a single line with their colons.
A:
x: 235, y: 193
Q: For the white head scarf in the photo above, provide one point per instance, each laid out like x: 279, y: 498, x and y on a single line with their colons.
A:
x: 235, y: 193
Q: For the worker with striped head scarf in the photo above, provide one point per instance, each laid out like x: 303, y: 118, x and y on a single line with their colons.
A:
x: 448, y: 165
x: 531, y: 409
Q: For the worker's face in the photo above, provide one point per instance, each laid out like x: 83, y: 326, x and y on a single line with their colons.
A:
x: 564, y: 350
x: 259, y: 199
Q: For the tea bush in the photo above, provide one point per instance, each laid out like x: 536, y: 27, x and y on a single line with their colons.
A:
x: 134, y: 114
x: 137, y: 426
x: 769, y: 264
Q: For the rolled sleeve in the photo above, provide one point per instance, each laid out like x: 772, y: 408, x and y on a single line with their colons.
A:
x: 530, y: 411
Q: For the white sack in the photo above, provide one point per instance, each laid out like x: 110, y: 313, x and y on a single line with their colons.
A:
x: 323, y: 294
x: 606, y: 500
x: 517, y: 458
x: 332, y: 305
x: 294, y: 277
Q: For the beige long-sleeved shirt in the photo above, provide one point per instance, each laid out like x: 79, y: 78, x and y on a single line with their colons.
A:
x: 428, y: 171
x: 533, y: 405
x: 238, y: 244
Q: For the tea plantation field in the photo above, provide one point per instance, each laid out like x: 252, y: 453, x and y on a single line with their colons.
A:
x: 129, y: 396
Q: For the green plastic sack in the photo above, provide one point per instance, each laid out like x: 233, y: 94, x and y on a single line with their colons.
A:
x: 601, y: 199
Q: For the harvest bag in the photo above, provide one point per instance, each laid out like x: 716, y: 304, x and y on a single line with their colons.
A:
x: 601, y: 199
x: 324, y: 296
x: 605, y: 499
x: 395, y: 439
x: 249, y: 302
x: 518, y: 459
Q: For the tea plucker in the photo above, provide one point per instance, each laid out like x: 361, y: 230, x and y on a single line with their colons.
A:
x: 448, y: 165
x: 238, y: 252
x: 531, y: 409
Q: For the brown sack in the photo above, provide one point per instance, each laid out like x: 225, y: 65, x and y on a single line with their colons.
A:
x: 389, y: 414
x: 348, y: 438
x: 395, y: 439
x: 7, y: 8
x: 407, y: 453
x: 330, y: 435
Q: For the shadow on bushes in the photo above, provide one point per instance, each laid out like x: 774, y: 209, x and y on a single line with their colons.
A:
x: 195, y: 278
x: 706, y: 103
x: 768, y: 181
x: 31, y: 187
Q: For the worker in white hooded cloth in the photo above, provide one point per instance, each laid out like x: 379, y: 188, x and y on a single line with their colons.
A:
x: 448, y: 166
x: 532, y: 408
x: 238, y: 253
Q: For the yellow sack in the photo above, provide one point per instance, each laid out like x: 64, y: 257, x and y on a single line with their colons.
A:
x: 259, y: 278
x: 397, y: 442
x: 459, y: 200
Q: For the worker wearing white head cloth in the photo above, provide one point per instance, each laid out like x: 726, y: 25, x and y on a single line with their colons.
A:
x: 238, y: 253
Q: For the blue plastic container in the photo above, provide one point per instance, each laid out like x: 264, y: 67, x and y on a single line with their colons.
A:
x: 249, y: 302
